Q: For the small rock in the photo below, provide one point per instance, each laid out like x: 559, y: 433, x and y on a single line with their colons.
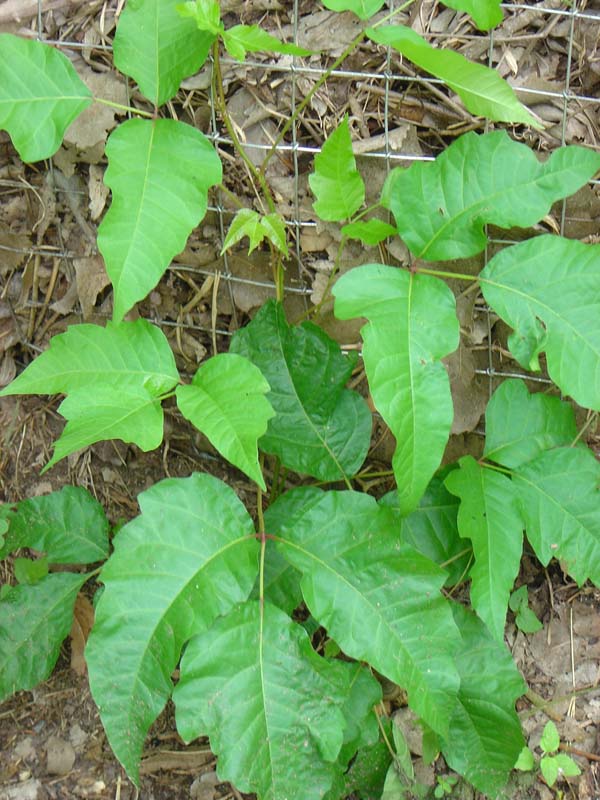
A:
x: 60, y: 756
x: 29, y: 790
x: 77, y: 735
x: 25, y: 748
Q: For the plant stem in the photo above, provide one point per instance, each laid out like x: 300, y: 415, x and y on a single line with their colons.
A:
x: 121, y: 107
x: 257, y: 175
x: 440, y: 273
x: 495, y: 467
x: 263, y: 542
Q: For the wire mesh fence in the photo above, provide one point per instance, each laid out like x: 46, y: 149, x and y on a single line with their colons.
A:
x: 402, y: 105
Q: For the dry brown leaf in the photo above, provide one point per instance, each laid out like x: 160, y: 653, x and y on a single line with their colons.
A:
x: 92, y: 126
x: 91, y: 279
x: 98, y: 191
x: 83, y: 619
x: 11, y: 258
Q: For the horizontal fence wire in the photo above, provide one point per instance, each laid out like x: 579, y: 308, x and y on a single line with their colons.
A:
x: 575, y: 11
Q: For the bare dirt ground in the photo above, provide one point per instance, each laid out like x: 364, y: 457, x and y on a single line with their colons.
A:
x: 52, y: 744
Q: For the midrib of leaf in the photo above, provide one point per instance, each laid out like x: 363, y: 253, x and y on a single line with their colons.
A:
x: 473, y: 209
x: 167, y: 610
x: 151, y: 401
x: 142, y: 196
x: 550, y: 498
x: 410, y: 365
x: 393, y: 635
x: 308, y: 419
x: 262, y: 687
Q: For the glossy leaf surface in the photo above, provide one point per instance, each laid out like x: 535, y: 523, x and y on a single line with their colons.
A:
x: 546, y: 289
x: 69, y: 526
x: 320, y: 428
x: 189, y: 557
x: 488, y: 515
x: 336, y: 183
x: 441, y: 207
x: 113, y: 377
x: 226, y: 401
x: 560, y: 503
x: 378, y: 598
x: 481, y: 89
x: 412, y: 325
x: 271, y: 706
x: 40, y: 95
x: 34, y: 620
x: 486, y: 734
x: 519, y: 425
x: 159, y: 173
x: 158, y: 47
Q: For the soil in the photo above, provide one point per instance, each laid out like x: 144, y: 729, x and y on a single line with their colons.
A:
x: 52, y: 744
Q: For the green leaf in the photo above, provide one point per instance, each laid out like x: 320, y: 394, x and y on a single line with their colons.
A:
x: 549, y: 769
x: 270, y: 704
x: 34, y: 620
x: 256, y: 227
x: 412, y: 325
x: 241, y: 39
x: 519, y: 425
x: 69, y: 526
x: 486, y: 736
x: 226, y: 401
x: 527, y: 621
x: 319, y: 428
x: 441, y: 207
x: 378, y: 598
x: 40, y: 95
x: 206, y: 13
x: 158, y: 47
x: 518, y: 598
x: 336, y: 183
x: 282, y: 581
x: 190, y: 556
x: 362, y: 8
x: 566, y: 765
x: 159, y: 173
x: 485, y: 13
x: 133, y: 416
x: 367, y: 774
x: 114, y: 377
x: 481, y: 89
x: 525, y: 762
x: 489, y: 517
x: 546, y: 289
x: 559, y: 498
x: 394, y: 787
x: 361, y: 728
x: 403, y: 755
x: 29, y: 571
x: 369, y: 232
x: 432, y: 528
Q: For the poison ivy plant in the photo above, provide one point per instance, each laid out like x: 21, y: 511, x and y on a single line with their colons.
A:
x: 323, y: 432
x: 233, y: 427
x: 192, y: 582
x: 545, y: 289
x: 336, y: 183
x: 158, y: 47
x: 188, y: 558
x: 114, y: 378
x: 480, y: 88
x: 441, y: 207
x: 402, y: 349
x: 40, y: 95
x: 489, y: 517
x: 156, y: 201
